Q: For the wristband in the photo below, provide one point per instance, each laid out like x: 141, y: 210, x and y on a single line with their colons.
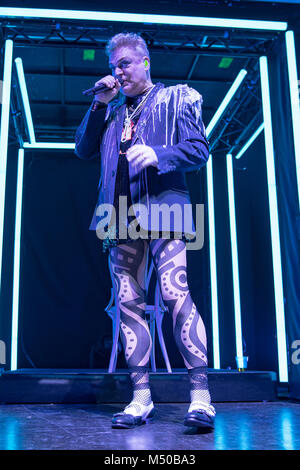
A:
x: 97, y: 105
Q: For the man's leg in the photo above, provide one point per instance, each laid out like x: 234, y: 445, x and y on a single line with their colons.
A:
x: 189, y: 330
x: 128, y: 263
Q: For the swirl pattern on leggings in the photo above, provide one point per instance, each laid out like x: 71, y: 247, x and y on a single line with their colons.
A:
x: 128, y: 262
x: 128, y: 265
x: 189, y: 330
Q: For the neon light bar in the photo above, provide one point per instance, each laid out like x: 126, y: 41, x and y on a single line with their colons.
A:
x: 143, y: 18
x: 4, y: 134
x: 213, y: 265
x: 212, y: 244
x: 23, y: 88
x: 252, y: 139
x: 234, y: 259
x: 295, y: 105
x: 228, y: 97
x: 16, y: 276
x: 273, y: 209
x: 48, y: 145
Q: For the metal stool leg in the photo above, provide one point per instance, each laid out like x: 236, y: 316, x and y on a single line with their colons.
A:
x: 155, y: 313
x: 159, y: 318
x: 116, y: 326
x: 114, y: 349
x: 152, y: 333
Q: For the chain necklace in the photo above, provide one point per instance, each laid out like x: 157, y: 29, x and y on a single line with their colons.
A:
x: 128, y: 118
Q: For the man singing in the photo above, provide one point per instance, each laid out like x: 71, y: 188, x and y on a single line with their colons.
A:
x: 148, y: 136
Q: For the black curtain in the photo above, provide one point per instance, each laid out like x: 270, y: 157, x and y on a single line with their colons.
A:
x: 288, y: 205
x: 64, y: 281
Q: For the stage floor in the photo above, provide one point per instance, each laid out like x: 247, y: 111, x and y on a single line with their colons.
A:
x: 238, y: 426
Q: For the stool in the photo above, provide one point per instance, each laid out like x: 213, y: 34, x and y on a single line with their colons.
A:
x: 154, y: 316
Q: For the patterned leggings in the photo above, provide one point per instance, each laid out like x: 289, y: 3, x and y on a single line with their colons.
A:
x: 128, y: 262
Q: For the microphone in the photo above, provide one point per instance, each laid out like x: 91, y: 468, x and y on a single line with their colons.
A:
x: 98, y: 88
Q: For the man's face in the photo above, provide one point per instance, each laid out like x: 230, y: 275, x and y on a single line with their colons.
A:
x: 128, y: 65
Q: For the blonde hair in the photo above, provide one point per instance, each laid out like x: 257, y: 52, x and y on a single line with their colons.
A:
x: 132, y: 40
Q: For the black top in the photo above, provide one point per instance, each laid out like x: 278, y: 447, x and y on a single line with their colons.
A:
x: 122, y: 185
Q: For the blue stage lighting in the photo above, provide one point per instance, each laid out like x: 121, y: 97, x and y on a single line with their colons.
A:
x: 249, y: 142
x: 228, y: 97
x: 294, y: 94
x: 213, y: 265
x: 212, y: 244
x: 8, y: 55
x: 234, y: 259
x: 23, y: 88
x: 16, y: 273
x: 273, y: 209
x: 144, y: 18
x: 49, y: 145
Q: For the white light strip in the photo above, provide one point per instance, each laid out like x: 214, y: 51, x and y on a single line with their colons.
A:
x: 143, y: 18
x: 228, y: 97
x: 8, y: 55
x: 295, y: 105
x: 16, y: 273
x: 48, y: 145
x: 212, y: 243
x: 213, y: 265
x: 273, y: 209
x: 250, y: 141
x: 234, y: 258
x: 24, y: 94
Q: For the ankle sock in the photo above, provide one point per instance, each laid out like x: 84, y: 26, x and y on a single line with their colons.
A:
x: 139, y: 377
x: 199, y: 391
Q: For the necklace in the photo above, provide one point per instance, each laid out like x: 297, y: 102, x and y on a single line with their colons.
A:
x: 128, y: 118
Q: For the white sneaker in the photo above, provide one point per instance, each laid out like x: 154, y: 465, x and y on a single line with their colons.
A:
x: 202, y: 406
x: 201, y: 415
x: 133, y: 415
x: 138, y: 409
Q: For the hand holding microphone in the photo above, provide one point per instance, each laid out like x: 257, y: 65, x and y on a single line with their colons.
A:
x: 110, y: 88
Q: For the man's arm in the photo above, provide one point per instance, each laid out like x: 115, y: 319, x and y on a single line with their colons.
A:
x: 88, y: 134
x: 192, y: 150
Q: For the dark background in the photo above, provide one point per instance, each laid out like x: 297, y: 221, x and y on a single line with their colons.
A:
x: 65, y: 284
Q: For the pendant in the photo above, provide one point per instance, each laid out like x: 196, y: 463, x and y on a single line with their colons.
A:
x: 126, y: 134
